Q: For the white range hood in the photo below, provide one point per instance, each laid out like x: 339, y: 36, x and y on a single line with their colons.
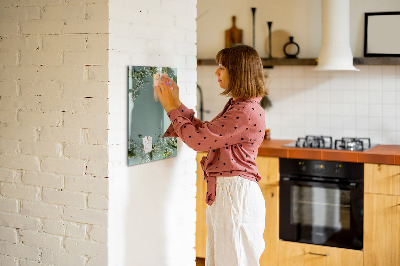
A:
x: 335, y: 52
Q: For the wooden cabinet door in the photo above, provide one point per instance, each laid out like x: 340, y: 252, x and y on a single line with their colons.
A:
x: 381, y: 230
x: 271, y: 232
x: 382, y: 179
x: 299, y: 254
x: 201, y: 205
x: 268, y: 168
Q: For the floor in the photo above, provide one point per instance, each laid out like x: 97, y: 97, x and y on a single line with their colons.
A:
x: 200, y: 262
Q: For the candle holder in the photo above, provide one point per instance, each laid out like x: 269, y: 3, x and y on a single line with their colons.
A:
x: 253, y: 10
x: 269, y: 39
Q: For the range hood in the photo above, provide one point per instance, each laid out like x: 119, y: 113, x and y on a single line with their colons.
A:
x: 335, y: 52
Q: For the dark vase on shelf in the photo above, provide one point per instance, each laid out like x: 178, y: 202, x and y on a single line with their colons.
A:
x: 291, y: 49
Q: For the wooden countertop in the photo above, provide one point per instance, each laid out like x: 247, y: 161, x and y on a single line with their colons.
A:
x: 380, y: 154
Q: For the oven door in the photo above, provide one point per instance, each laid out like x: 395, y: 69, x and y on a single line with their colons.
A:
x: 321, y: 212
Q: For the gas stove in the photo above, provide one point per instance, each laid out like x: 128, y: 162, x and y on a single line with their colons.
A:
x: 326, y: 142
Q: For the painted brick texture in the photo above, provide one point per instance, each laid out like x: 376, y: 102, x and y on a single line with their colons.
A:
x: 53, y: 132
x: 152, y: 206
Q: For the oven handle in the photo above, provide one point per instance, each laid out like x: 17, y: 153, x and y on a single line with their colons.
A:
x: 310, y: 182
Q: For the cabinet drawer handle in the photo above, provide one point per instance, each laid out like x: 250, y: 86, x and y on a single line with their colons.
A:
x: 319, y: 254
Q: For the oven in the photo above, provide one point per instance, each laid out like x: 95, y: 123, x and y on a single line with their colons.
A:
x: 321, y: 202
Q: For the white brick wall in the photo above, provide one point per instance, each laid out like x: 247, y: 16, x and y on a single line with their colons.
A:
x: 152, y: 205
x: 53, y: 132
x: 61, y: 139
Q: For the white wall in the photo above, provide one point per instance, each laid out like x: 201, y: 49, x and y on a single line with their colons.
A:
x: 53, y: 133
x: 337, y: 103
x: 152, y: 205
x: 301, y: 19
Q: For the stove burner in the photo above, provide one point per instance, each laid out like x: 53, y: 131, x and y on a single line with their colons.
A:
x: 324, y: 142
x: 353, y: 144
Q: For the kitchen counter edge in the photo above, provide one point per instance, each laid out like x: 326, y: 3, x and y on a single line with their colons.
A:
x: 379, y: 154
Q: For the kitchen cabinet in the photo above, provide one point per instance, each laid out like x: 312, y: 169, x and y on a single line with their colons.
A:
x: 382, y: 215
x: 300, y: 254
x: 201, y: 205
x: 382, y: 179
x: 271, y: 232
x: 269, y: 170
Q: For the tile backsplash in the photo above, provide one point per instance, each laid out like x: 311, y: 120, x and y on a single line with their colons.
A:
x: 363, y: 103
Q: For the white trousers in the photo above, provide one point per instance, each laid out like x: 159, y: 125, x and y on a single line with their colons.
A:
x: 235, y: 223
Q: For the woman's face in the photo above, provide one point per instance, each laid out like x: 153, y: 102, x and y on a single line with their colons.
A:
x: 223, y: 76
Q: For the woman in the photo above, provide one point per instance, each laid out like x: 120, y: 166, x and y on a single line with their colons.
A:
x: 236, y: 211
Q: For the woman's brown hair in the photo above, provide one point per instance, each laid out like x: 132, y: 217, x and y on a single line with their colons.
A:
x: 245, y: 69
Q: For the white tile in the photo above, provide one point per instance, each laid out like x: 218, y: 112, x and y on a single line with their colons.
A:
x: 298, y: 97
x: 348, y: 109
x: 375, y: 97
x: 349, y: 122
x: 336, y: 133
x: 323, y: 83
x: 285, y: 71
x: 388, y: 71
x: 375, y: 110
x: 362, y: 97
x: 389, y: 97
x: 323, y: 95
x: 362, y: 110
x: 323, y: 109
x: 336, y: 96
x: 349, y: 96
x: 362, y: 79
x: 324, y: 131
x: 398, y: 137
x: 389, y: 84
x: 375, y: 123
x: 310, y: 82
x: 389, y: 110
x: 336, y: 83
x: 299, y: 108
x: 362, y: 133
x: 323, y: 121
x: 362, y: 123
x: 298, y: 120
x: 376, y: 136
x: 335, y: 109
x: 310, y: 95
x: 310, y: 122
x: 298, y: 71
x: 374, y: 83
x: 336, y: 121
x: 389, y: 124
x: 389, y: 137
x: 349, y: 132
x: 298, y: 131
x: 286, y: 120
x: 397, y: 72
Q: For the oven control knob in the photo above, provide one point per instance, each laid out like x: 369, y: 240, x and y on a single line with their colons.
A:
x: 338, y: 170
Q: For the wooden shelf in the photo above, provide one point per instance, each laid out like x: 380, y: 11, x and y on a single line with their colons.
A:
x: 377, y: 61
x: 269, y: 63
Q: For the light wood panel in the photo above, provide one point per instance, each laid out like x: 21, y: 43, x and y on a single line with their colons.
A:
x: 268, y: 168
x: 299, y: 254
x: 271, y: 233
x: 382, y: 179
x: 381, y: 230
x: 201, y: 205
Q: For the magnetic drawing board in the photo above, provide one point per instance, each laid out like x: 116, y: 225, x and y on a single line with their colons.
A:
x: 147, y: 120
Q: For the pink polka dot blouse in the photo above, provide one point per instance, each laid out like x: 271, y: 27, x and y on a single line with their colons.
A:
x: 232, y: 139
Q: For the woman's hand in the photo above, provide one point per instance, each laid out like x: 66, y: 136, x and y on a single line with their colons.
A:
x: 165, y: 95
x: 175, y: 91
